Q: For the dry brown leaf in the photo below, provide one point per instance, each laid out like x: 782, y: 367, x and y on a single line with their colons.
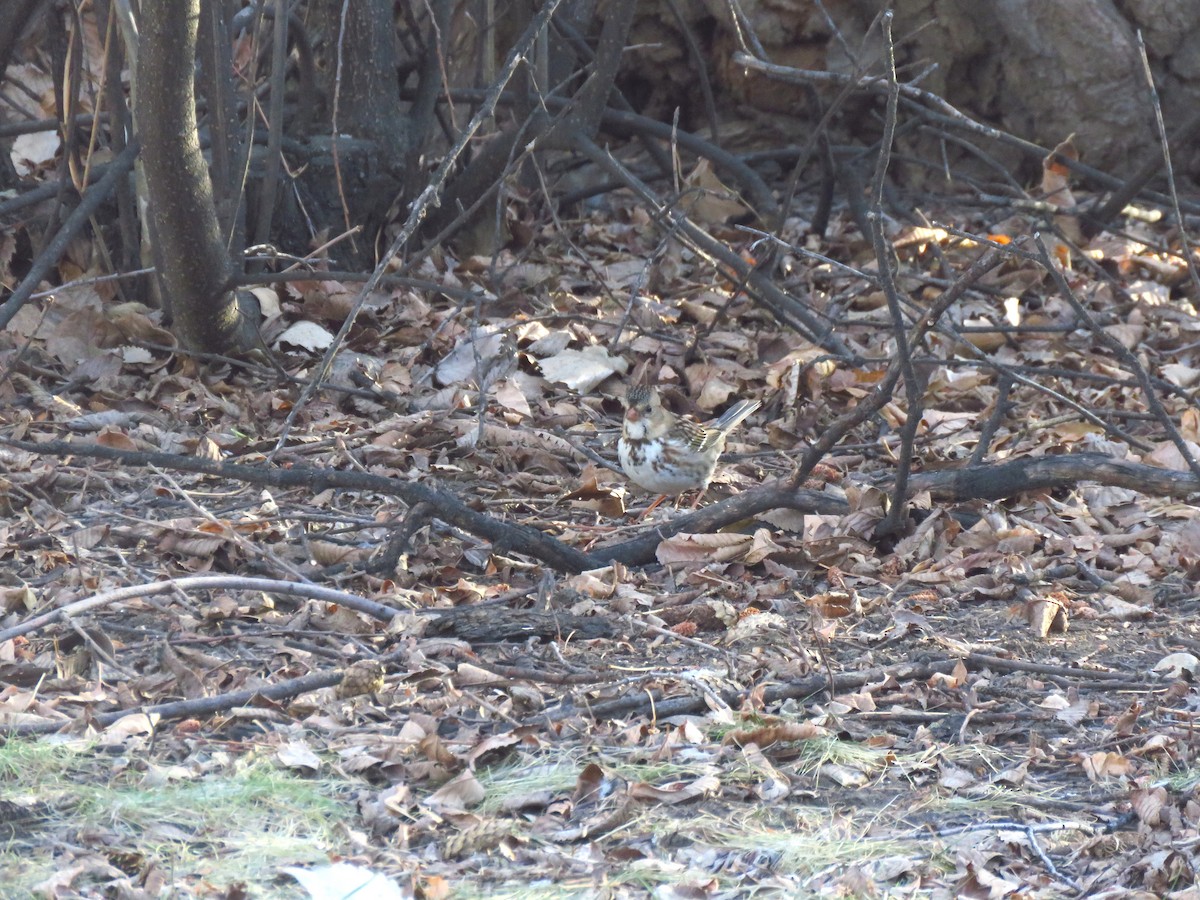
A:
x: 1149, y: 804
x: 1167, y: 456
x: 190, y: 683
x: 834, y: 604
x: 677, y: 791
x: 843, y: 775
x: 327, y: 553
x: 770, y: 735
x: 955, y: 778
x: 467, y: 675
x: 761, y: 547
x: 707, y: 548
x: 598, y: 583
x: 457, y: 795
x: 1106, y: 764
x: 709, y: 202
x: 493, y: 750
x: 1047, y: 614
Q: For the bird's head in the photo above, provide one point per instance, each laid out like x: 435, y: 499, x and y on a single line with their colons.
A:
x: 644, y: 413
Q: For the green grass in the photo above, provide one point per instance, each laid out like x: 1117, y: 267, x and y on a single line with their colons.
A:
x: 229, y: 822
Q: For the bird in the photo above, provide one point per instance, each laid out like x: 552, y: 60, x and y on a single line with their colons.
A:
x: 668, y: 454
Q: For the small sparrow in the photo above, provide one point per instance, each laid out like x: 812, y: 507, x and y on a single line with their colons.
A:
x: 666, y: 454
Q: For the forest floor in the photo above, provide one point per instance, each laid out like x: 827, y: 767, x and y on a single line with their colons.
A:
x: 999, y: 703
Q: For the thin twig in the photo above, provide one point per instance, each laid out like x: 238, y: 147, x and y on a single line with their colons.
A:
x: 892, y: 522
x: 201, y: 583
x: 1168, y: 166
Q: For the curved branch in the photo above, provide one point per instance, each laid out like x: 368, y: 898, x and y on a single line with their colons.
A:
x: 999, y: 480
x: 505, y: 536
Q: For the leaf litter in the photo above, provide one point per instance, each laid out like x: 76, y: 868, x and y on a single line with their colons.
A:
x: 1000, y: 703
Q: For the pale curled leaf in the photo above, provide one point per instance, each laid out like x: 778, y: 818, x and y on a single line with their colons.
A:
x: 1076, y: 712
x: 582, y: 370
x: 457, y: 794
x: 298, y: 755
x: 467, y: 675
x: 597, y: 583
x: 1176, y: 665
x: 1148, y: 805
x: 1106, y: 764
x: 843, y: 775
x: 130, y: 725
x: 509, y: 395
x: 1047, y: 614
x: 761, y: 547
x: 30, y: 150
x: 1180, y: 375
x: 343, y: 881
x: 1121, y: 611
x: 712, y: 203
x: 305, y: 336
x: 268, y: 301
x: 474, y: 355
x: 676, y: 792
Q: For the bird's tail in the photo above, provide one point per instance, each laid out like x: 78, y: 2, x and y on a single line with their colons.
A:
x: 733, y: 417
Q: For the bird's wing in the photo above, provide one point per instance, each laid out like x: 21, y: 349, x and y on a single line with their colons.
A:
x: 698, y: 437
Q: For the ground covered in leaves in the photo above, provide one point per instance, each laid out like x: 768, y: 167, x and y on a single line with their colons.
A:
x: 999, y: 702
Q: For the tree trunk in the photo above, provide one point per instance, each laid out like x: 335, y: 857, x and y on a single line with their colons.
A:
x: 372, y: 136
x: 193, y: 264
x: 1041, y: 70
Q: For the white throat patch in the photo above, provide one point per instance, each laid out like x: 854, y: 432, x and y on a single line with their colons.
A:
x: 636, y: 431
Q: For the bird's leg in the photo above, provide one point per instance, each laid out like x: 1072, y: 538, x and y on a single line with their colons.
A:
x: 652, y: 507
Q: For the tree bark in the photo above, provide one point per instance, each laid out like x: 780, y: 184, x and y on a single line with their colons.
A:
x: 193, y: 264
x: 354, y: 178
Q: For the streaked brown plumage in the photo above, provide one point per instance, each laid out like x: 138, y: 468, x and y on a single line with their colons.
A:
x: 667, y: 454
